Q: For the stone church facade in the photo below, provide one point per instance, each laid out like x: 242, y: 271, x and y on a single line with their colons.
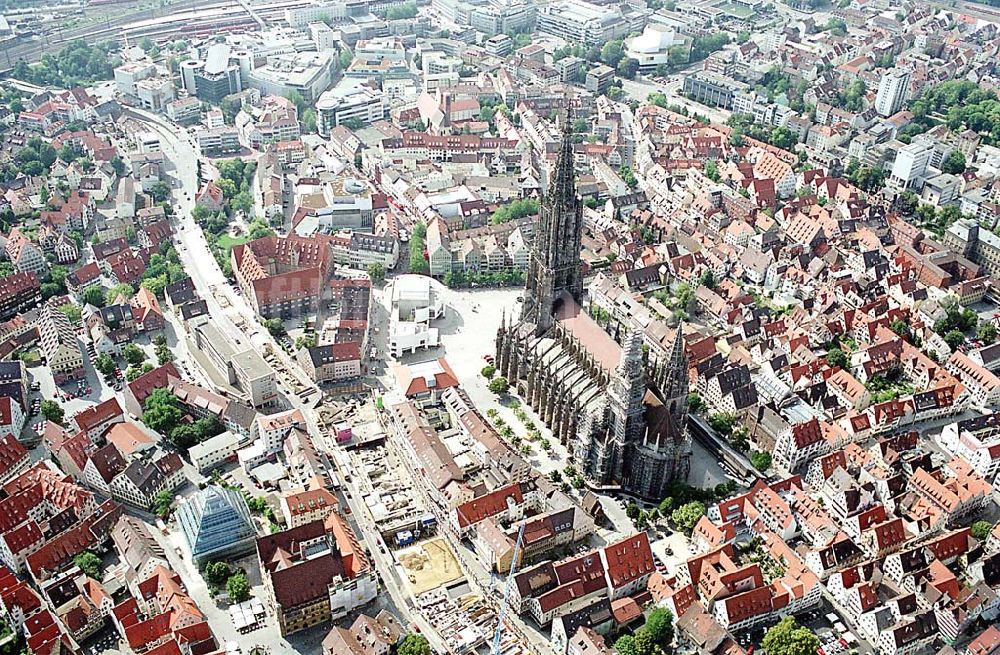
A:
x: 623, y: 417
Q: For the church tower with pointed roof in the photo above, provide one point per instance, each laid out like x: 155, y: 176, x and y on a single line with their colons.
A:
x: 554, y: 260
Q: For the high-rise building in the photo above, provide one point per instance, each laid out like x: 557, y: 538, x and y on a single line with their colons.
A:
x: 910, y: 167
x: 625, y: 415
x: 893, y: 90
x: 214, y: 78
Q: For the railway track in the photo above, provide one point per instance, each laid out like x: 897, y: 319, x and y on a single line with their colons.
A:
x: 110, y: 29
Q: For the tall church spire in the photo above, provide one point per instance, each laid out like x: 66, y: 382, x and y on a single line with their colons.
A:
x: 554, y: 265
x: 676, y: 380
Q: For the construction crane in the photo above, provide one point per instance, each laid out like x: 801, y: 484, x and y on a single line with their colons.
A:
x: 495, y: 650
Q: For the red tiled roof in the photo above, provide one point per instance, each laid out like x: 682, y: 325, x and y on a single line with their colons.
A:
x: 86, y: 273
x: 986, y: 643
x: 413, y: 385
x: 141, y: 635
x: 807, y: 433
x: 146, y: 383
x: 488, y: 505
x: 749, y: 603
x: 12, y: 452
x: 17, y: 284
x: 99, y: 415
x: 60, y: 550
x: 629, y: 559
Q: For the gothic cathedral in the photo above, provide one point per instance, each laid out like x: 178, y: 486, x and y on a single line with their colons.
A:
x: 623, y: 417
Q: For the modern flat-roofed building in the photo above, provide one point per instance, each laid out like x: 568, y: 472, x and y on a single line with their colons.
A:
x: 255, y: 377
x: 308, y: 73
x: 893, y: 89
x: 215, y: 451
x: 348, y: 103
x: 213, y: 78
x: 652, y: 47
x: 712, y: 89
x: 582, y: 22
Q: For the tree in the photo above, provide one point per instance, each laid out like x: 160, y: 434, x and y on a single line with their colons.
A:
x: 660, y: 626
x: 902, y: 328
x: 52, y: 411
x: 228, y: 187
x: 954, y: 339
x: 105, y: 365
x: 981, y: 529
x: 612, y: 53
x: 627, y: 68
x: 242, y: 202
x: 632, y: 511
x: 184, y: 436
x: 515, y: 210
x: 403, y: 11
x: 835, y: 357
x: 217, y: 572
x: 259, y: 228
x: 712, y: 171
x: 298, y: 100
x: 94, y: 296
x: 160, y: 192
x: 761, y: 460
x: 625, y: 645
x: 658, y: 99
x: 163, y: 354
x: 954, y: 163
x: 722, y: 422
x: 414, y: 644
x: 986, y: 332
x: 309, y: 120
x: 133, y: 354
x: 275, y: 327
x: 489, y: 371
x: 687, y: 515
x: 666, y: 505
x: 238, y: 588
x: 121, y: 290
x: 788, y: 638
x: 72, y: 312
x: 89, y: 563
x: 376, y: 272
x: 499, y: 385
x: 162, y: 502
x: 628, y: 177
x: 160, y: 411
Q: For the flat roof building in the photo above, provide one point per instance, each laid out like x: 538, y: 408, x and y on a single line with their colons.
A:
x: 582, y: 22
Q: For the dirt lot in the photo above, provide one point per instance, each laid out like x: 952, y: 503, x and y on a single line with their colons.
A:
x: 429, y: 565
